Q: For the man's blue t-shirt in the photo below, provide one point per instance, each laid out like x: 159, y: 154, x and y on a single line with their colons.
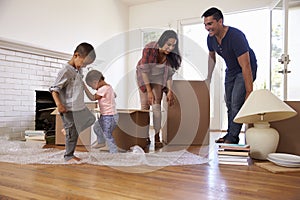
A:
x: 233, y: 45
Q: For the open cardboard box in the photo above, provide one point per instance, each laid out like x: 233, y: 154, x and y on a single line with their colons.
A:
x: 85, y: 138
x: 132, y: 128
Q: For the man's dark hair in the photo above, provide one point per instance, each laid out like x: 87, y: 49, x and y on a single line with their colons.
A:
x: 86, y: 49
x: 214, y: 12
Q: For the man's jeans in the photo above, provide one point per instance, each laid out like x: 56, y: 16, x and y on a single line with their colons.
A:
x: 234, y: 97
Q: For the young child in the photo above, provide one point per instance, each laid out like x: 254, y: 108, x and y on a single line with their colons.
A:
x: 68, y: 94
x: 106, y: 98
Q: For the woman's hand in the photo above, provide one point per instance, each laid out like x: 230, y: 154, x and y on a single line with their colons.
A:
x: 170, y: 98
x: 150, y: 97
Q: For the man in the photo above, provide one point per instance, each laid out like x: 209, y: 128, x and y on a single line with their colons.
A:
x: 232, y: 45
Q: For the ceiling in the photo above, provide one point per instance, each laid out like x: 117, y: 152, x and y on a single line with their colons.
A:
x: 137, y: 2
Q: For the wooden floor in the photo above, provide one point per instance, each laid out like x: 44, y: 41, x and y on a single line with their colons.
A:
x: 195, y: 182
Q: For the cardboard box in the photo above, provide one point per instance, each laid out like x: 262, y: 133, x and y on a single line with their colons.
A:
x: 87, y: 137
x: 289, y: 131
x: 187, y: 122
x: 132, y: 128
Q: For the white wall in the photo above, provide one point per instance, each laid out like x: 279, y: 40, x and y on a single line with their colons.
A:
x: 61, y: 24
x: 166, y: 13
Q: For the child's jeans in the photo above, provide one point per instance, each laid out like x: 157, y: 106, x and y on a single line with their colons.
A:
x: 74, y: 123
x: 103, y: 128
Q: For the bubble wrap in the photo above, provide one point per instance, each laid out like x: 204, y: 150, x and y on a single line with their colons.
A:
x: 33, y: 153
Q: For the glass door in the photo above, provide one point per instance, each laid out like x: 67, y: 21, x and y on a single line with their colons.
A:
x: 285, y: 49
x: 279, y: 57
x: 293, y: 86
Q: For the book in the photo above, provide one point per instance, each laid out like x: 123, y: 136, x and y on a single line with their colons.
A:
x: 233, y: 153
x: 233, y: 160
x: 233, y: 163
x: 234, y: 147
x: 34, y: 132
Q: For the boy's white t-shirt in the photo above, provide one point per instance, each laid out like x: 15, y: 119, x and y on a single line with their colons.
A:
x: 107, y: 103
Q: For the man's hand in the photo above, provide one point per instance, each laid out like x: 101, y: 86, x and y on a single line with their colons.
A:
x: 247, y: 95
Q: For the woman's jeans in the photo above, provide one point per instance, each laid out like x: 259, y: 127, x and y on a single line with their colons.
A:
x: 103, y: 128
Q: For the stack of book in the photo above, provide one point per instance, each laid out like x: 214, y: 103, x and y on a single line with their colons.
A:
x: 233, y: 154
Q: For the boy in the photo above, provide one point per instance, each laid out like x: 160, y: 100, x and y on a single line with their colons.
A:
x: 109, y: 117
x: 68, y: 94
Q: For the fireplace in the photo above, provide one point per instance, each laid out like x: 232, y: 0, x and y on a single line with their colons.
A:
x: 43, y: 118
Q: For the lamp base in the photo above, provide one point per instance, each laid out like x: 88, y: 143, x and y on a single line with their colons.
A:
x: 262, y: 140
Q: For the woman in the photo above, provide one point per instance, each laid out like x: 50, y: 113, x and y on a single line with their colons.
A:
x: 154, y: 76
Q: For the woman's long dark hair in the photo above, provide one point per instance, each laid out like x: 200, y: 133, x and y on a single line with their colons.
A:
x: 174, y: 57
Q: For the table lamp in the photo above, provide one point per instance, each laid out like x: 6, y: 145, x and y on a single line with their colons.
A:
x: 260, y: 108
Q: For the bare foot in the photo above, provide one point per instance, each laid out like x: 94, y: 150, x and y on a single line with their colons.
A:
x: 63, y: 131
x: 74, y: 160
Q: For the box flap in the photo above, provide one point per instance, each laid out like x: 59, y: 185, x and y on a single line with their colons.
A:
x: 130, y: 110
x: 55, y: 112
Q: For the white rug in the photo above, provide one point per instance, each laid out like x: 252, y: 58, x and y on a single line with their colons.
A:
x: 34, y: 153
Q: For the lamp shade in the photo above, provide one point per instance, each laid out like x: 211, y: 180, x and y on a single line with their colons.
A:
x: 263, y: 106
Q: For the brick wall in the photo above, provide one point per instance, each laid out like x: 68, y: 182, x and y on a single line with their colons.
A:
x: 23, y: 70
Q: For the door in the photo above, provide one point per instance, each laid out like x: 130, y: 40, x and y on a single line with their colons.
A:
x: 293, y: 86
x: 285, y: 47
